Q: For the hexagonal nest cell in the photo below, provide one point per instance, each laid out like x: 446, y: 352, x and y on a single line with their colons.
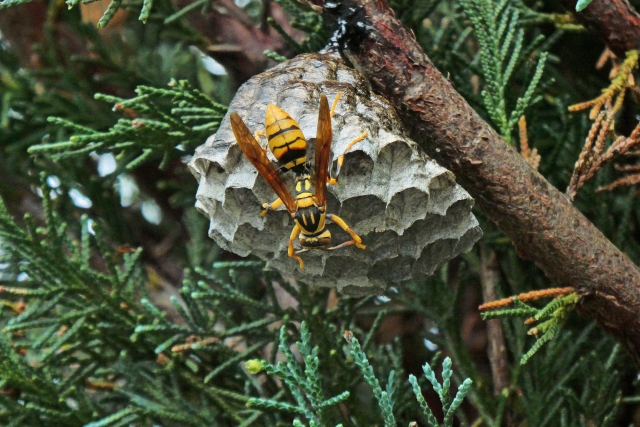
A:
x: 409, y: 211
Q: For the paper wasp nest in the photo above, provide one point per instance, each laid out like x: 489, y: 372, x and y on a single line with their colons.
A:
x: 408, y: 210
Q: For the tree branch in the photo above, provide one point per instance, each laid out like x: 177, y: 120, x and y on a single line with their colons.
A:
x: 615, y: 21
x: 541, y: 222
x: 496, y: 349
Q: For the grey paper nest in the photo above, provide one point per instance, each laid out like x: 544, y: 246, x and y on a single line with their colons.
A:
x: 408, y: 210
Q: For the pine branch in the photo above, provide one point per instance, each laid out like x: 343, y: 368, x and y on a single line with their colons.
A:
x: 449, y: 407
x: 167, y: 121
x: 501, y: 49
x: 305, y: 385
x: 384, y: 399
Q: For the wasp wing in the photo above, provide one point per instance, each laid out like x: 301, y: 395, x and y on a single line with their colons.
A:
x: 323, y: 149
x: 256, y: 155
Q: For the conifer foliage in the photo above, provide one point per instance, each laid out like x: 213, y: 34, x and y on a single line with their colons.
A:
x: 118, y: 310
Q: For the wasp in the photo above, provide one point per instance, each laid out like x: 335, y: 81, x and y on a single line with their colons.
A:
x: 287, y: 143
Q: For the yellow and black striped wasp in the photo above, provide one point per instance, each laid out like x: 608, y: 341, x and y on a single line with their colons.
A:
x: 287, y: 143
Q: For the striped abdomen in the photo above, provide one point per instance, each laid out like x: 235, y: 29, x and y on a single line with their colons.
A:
x: 286, y: 140
x: 310, y: 219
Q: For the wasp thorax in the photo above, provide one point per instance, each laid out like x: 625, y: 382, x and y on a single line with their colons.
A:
x: 303, y: 184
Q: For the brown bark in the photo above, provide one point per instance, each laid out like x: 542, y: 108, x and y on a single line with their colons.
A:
x: 615, y: 21
x: 541, y: 222
x: 496, y: 349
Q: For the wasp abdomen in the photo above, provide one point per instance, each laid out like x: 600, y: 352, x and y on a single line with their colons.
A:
x: 286, y: 141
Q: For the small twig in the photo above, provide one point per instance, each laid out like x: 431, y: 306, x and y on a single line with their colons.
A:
x: 592, y: 158
x: 527, y: 296
x: 192, y: 341
x: 583, y: 161
x: 496, y: 349
x: 624, y: 181
x: 264, y: 15
x: 621, y: 80
x: 604, y: 58
x: 531, y: 156
x: 99, y: 385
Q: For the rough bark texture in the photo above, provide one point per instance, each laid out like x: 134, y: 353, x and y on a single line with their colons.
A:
x: 615, y: 21
x: 541, y: 222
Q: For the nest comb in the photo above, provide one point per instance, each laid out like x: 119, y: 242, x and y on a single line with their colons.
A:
x: 408, y: 210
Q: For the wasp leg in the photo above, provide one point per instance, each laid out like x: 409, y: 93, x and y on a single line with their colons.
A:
x: 290, y: 252
x: 257, y: 134
x: 335, y: 103
x: 334, y: 181
x: 341, y: 245
x: 270, y: 206
x: 356, y: 239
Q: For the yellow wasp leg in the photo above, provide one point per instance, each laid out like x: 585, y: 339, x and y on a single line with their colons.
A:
x: 257, y: 134
x: 341, y: 245
x: 290, y: 252
x: 270, y: 206
x: 335, y: 103
x: 356, y: 239
x: 334, y: 181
